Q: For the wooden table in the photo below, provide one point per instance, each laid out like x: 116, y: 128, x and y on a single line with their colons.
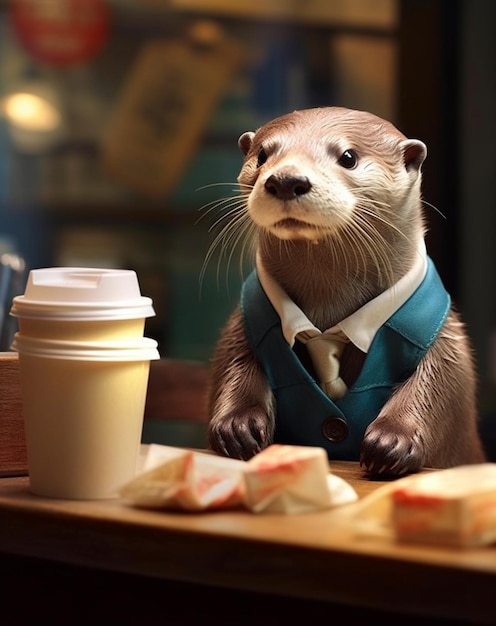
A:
x: 228, y: 567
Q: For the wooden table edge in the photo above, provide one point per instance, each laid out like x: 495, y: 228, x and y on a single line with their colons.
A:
x: 197, y: 549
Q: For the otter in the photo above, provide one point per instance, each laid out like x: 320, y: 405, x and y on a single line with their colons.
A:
x: 333, y: 196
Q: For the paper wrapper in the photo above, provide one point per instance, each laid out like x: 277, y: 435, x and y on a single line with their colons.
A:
x: 281, y: 479
x: 455, y: 507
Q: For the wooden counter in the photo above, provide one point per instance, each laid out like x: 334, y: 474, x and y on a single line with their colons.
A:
x: 306, y: 559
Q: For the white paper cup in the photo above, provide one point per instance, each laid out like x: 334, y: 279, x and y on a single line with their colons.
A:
x: 83, y: 409
x: 82, y: 304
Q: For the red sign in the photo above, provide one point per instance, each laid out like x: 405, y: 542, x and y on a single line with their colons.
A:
x: 61, y: 32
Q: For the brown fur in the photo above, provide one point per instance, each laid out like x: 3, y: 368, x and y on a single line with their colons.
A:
x: 352, y: 234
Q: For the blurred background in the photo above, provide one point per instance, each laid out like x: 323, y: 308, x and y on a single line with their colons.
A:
x: 118, y: 116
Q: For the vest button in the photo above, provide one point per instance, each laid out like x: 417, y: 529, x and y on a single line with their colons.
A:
x: 335, y: 429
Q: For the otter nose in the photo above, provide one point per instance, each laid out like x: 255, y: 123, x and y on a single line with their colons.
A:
x: 286, y: 186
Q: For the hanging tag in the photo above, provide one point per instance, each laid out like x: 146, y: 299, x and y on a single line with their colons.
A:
x: 165, y: 106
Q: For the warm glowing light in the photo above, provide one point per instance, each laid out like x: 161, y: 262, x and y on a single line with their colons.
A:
x: 31, y: 112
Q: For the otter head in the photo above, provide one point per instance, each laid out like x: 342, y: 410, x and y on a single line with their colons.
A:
x: 332, y: 172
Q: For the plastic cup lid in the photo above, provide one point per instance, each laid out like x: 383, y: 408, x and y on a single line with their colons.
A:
x: 143, y: 349
x: 76, y: 293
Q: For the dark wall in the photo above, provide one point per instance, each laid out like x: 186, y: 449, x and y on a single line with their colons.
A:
x: 428, y: 109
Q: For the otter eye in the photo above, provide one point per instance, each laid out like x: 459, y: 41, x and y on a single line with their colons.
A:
x: 348, y: 159
x: 262, y: 157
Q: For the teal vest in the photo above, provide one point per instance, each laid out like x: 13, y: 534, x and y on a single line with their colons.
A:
x: 305, y: 415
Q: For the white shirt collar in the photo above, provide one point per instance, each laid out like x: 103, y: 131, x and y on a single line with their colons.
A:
x: 361, y: 326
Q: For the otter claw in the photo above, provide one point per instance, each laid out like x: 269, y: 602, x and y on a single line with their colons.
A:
x: 239, y: 435
x: 390, y: 451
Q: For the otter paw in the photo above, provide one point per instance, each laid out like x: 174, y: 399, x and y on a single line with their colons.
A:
x: 391, y: 449
x: 240, y: 435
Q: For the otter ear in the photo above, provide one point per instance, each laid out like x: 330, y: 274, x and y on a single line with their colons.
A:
x: 414, y: 153
x: 245, y: 142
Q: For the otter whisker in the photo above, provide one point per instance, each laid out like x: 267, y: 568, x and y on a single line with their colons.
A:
x: 380, y: 251
x: 234, y: 231
x: 432, y: 206
x: 368, y: 195
x: 245, y: 236
x: 338, y: 246
x: 220, y: 205
x: 220, y: 201
x: 350, y: 241
x: 379, y: 218
x: 238, y: 186
x: 384, y: 242
x: 227, y: 215
x: 375, y: 245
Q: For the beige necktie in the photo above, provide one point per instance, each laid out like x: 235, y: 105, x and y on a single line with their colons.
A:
x: 326, y: 350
